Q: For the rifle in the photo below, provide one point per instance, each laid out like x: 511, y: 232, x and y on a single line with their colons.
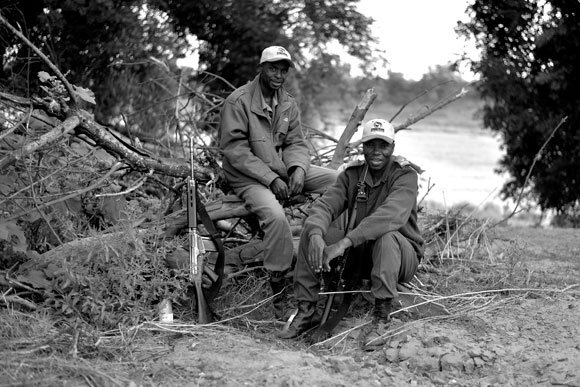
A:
x: 196, y: 247
x: 344, y: 273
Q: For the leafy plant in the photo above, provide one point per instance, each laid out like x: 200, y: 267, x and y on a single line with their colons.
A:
x: 111, y: 280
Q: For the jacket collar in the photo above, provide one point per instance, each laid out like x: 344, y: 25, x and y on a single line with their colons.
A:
x: 384, y: 176
x: 256, y: 93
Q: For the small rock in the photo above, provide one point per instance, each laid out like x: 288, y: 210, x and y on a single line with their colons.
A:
x: 343, y: 364
x: 487, y: 355
x: 452, y: 361
x: 409, y: 349
x: 392, y: 355
x: 436, y: 352
x: 469, y: 366
x: 437, y: 341
x: 479, y: 362
x: 370, y: 364
x: 425, y: 363
x: 474, y: 352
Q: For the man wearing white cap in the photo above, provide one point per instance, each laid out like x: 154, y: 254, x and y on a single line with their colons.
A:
x: 266, y: 159
x: 383, y: 188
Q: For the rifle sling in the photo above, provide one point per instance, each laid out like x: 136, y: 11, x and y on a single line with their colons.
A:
x: 352, y: 267
x: 214, y: 234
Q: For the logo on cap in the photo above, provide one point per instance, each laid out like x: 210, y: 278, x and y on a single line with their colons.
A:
x: 377, y: 127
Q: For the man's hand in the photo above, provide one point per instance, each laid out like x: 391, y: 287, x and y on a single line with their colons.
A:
x: 279, y: 188
x: 315, y: 252
x: 297, y: 181
x: 335, y: 250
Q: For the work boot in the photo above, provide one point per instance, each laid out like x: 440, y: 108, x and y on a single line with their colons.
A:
x: 303, y: 321
x: 280, y: 293
x: 372, y: 335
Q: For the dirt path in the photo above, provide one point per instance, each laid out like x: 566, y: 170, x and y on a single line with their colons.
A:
x: 518, y: 338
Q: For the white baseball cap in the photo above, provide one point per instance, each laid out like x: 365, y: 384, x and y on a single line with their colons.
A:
x: 378, y: 128
x: 275, y: 54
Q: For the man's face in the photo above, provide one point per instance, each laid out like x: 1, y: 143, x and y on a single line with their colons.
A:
x: 377, y: 153
x: 274, y: 74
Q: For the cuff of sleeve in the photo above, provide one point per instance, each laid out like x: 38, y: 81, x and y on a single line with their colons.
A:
x: 315, y: 231
x: 299, y: 164
x: 356, y: 238
x: 269, y: 178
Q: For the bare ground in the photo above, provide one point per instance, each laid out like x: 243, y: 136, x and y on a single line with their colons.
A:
x: 513, y: 338
x: 524, y: 335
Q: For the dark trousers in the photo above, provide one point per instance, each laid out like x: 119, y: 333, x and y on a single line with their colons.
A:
x: 393, y: 261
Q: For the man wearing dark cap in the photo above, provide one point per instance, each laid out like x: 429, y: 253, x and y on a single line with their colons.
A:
x: 383, y: 188
x: 266, y: 159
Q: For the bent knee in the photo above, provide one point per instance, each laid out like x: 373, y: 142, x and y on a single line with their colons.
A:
x: 271, y: 211
x: 389, y: 239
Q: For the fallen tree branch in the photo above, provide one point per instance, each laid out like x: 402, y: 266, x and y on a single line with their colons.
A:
x: 59, y: 131
x: 113, y: 169
x: 19, y: 300
x: 351, y: 127
x: 439, y: 105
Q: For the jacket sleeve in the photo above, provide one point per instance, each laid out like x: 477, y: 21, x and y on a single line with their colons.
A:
x: 328, y: 207
x: 392, y: 214
x: 295, y: 151
x: 235, y: 145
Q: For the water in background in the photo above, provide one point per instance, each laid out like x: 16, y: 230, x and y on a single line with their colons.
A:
x: 459, y: 162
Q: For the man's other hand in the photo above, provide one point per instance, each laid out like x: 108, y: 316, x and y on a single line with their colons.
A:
x: 297, y: 181
x: 335, y: 250
x: 315, y: 251
x: 279, y: 188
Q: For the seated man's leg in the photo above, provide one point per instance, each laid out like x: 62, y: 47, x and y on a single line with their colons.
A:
x: 278, y: 247
x: 318, y: 179
x: 394, y: 261
x: 306, y: 287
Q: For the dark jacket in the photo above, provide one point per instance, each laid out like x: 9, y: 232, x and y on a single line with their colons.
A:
x: 255, y: 147
x: 391, y: 205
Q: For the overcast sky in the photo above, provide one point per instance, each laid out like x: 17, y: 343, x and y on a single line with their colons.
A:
x: 417, y: 34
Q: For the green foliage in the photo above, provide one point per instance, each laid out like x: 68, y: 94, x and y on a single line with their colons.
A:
x: 530, y: 72
x: 126, y: 51
x: 116, y: 281
x: 231, y: 44
x: 106, y: 46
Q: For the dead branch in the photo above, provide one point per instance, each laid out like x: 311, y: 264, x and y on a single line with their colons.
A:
x: 414, y: 99
x: 351, y: 127
x: 12, y: 299
x: 439, y: 105
x: 113, y: 169
x: 59, y: 131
